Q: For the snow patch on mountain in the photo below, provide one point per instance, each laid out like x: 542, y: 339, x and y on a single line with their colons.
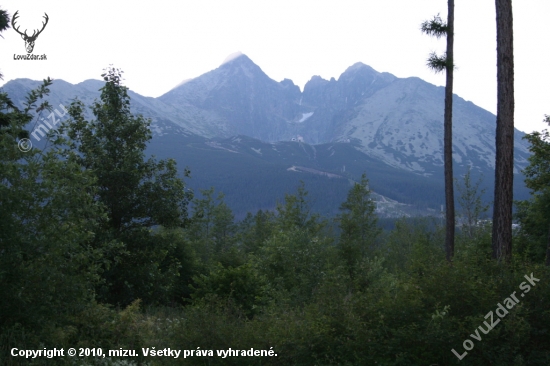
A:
x: 305, y: 116
x: 232, y: 56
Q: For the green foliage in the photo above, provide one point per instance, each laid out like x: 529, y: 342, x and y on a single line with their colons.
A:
x: 4, y: 24
x: 48, y: 267
x: 295, y: 262
x: 297, y: 254
x: 421, y: 240
x: 398, y: 317
x: 13, y: 121
x: 437, y: 63
x: 181, y: 256
x: 137, y: 194
x: 46, y: 223
x: 295, y: 213
x: 358, y: 225
x: 4, y: 20
x: 438, y: 28
x: 534, y: 214
x: 224, y: 226
x: 108, y: 326
x: 471, y: 204
x: 212, y: 228
x: 241, y: 287
x: 200, y: 226
x: 255, y: 230
x: 537, y: 173
x: 435, y: 27
x: 156, y: 270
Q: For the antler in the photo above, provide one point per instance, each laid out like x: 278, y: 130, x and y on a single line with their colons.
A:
x: 43, y: 26
x: 15, y: 16
x: 34, y: 34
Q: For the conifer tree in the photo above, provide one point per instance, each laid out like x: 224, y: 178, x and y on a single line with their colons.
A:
x: 439, y: 28
x: 358, y: 224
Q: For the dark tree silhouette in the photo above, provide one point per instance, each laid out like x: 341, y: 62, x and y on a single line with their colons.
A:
x: 438, y: 28
x: 4, y: 24
x: 504, y: 165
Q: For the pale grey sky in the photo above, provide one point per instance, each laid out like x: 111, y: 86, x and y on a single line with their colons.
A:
x: 160, y: 43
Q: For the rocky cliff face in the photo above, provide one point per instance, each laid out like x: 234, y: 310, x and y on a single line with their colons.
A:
x: 402, y: 124
x: 237, y: 98
x: 399, y: 121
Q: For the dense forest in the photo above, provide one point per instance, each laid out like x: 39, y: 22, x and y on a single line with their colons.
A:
x: 103, y: 249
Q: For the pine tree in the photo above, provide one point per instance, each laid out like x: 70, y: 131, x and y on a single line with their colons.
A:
x: 255, y: 229
x: 438, y: 28
x: 358, y: 224
x: 296, y: 213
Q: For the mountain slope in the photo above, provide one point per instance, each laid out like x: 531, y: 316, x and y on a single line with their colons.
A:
x: 399, y: 121
x: 401, y: 124
x: 237, y: 98
x: 365, y: 121
x: 256, y: 175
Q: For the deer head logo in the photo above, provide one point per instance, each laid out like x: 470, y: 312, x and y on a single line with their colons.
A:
x: 29, y: 40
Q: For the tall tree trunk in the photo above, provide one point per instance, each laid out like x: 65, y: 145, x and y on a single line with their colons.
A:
x: 504, y: 166
x: 448, y: 139
x: 548, y: 248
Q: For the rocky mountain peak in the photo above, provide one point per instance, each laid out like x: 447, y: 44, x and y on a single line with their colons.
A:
x: 233, y: 56
x: 359, y: 66
x: 241, y: 61
x: 291, y: 89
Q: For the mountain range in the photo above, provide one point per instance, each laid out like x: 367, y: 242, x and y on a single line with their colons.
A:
x: 254, y: 138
